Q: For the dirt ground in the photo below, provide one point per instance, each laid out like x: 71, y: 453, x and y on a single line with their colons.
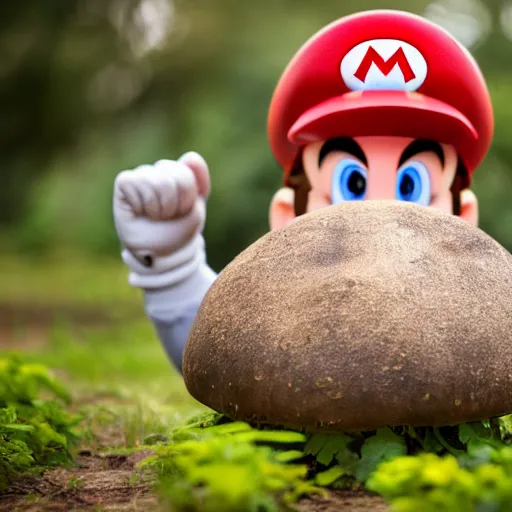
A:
x: 96, y: 483
x: 104, y: 483
x: 353, y: 501
x: 26, y: 326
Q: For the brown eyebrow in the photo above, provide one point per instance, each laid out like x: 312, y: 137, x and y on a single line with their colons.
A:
x: 345, y: 144
x: 420, y: 146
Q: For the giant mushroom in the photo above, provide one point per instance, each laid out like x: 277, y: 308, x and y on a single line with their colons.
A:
x: 355, y: 317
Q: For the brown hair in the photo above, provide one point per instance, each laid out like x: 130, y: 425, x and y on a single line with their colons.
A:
x: 299, y: 182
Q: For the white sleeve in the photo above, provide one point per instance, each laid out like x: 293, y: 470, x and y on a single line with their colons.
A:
x: 173, y: 309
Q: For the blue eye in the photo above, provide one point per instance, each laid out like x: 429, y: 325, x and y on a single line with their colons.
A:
x: 348, y: 182
x: 413, y: 184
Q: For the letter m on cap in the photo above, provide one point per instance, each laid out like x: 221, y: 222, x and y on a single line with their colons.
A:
x: 385, y: 66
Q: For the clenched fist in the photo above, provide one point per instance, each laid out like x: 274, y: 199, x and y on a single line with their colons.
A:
x: 159, y: 212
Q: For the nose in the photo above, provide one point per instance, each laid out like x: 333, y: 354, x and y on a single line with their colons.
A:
x: 381, y: 184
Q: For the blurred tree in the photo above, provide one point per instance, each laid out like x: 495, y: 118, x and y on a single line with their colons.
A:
x: 48, y: 51
x: 95, y: 86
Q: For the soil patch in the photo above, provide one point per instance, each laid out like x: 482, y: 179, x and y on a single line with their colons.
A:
x: 105, y: 482
x: 353, y: 501
x: 95, y: 481
x: 27, y: 326
x: 44, y: 315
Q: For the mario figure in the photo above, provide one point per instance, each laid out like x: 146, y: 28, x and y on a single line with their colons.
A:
x: 377, y: 105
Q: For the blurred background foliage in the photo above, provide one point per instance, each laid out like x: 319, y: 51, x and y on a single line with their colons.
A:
x: 91, y: 87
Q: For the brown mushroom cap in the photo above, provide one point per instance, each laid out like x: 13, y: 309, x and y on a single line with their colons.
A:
x: 358, y: 316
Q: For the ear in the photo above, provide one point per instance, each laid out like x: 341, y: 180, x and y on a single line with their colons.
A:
x: 282, y: 211
x: 469, y: 207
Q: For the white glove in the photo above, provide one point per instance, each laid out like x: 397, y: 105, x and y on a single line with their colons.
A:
x: 159, y: 214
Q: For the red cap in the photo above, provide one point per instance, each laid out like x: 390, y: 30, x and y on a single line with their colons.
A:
x: 382, y: 73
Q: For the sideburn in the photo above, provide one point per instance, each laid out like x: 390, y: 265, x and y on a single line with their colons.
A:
x: 299, y: 182
x: 460, y: 182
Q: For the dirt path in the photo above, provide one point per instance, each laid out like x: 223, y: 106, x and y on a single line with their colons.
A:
x: 97, y: 483
x: 105, y: 483
x: 31, y: 327
x: 353, y: 501
x: 27, y: 326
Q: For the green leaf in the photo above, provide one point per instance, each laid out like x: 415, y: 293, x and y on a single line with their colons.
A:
x: 315, y: 444
x: 466, y: 433
x: 206, y: 419
x: 227, y: 428
x: 328, y: 452
x: 505, y: 426
x: 289, y: 456
x: 41, y: 375
x: 446, y: 445
x: 270, y: 436
x: 348, y: 460
x: 155, y: 439
x: 35, y: 431
x: 479, y: 451
x: 231, y: 472
x: 431, y: 444
x: 326, y: 478
x: 384, y: 446
x: 18, y: 427
x: 326, y: 447
x: 473, y: 431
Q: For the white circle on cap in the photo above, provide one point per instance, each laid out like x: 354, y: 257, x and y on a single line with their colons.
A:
x: 384, y: 64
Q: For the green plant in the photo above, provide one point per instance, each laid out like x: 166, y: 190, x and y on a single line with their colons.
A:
x: 212, y: 462
x: 231, y: 467
x: 35, y: 431
x: 358, y: 454
x: 481, y: 481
